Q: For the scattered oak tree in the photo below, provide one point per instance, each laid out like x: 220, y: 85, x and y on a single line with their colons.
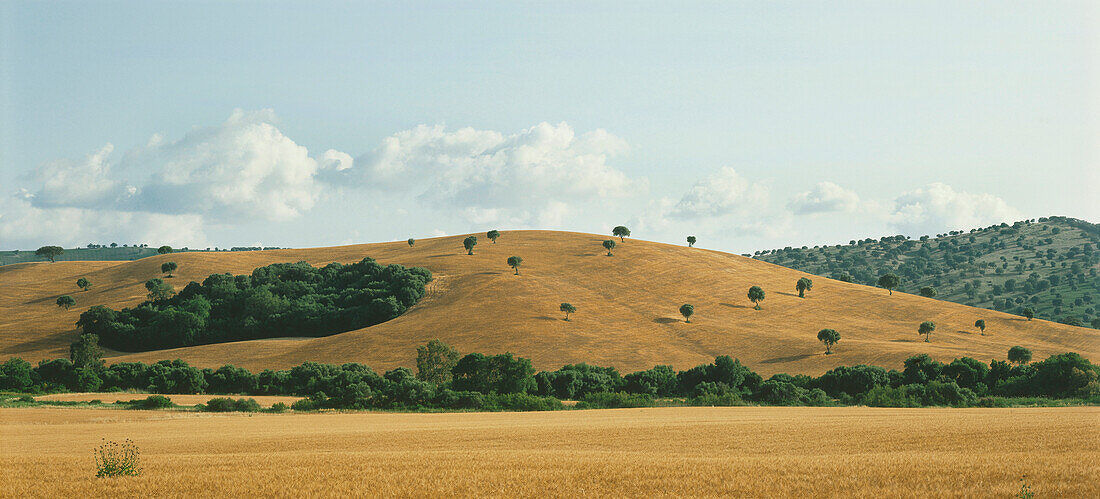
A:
x: 691, y: 241
x: 65, y: 301
x: 609, y: 245
x: 756, y: 295
x: 1028, y: 312
x: 493, y: 235
x: 164, y: 250
x: 803, y: 285
x: 49, y: 252
x: 168, y: 268
x: 1019, y: 355
x: 889, y: 281
x: 928, y: 292
x: 84, y: 284
x: 568, y: 308
x: 469, y: 244
x: 829, y: 337
x: 980, y: 324
x: 515, y: 262
x: 621, y: 231
x: 687, y: 310
x: 411, y: 241
x: 434, y: 362
x: 926, y: 329
x: 159, y: 290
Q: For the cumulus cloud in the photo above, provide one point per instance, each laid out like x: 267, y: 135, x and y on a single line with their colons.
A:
x: 523, y: 177
x: 85, y: 183
x: 825, y: 197
x: 938, y: 207
x: 724, y: 193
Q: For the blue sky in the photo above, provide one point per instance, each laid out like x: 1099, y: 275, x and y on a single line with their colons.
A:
x: 751, y: 124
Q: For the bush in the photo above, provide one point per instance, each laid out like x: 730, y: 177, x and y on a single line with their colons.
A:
x: 115, y: 459
x: 278, y: 407
x: 306, y: 405
x: 712, y: 400
x: 615, y: 400
x: 153, y: 402
x: 226, y: 404
x: 521, y: 402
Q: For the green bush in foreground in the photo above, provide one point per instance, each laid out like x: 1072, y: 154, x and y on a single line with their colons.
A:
x: 115, y: 459
x: 226, y: 404
x: 153, y: 402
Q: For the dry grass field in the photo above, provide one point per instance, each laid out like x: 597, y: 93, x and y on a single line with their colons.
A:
x: 744, y: 451
x: 627, y: 309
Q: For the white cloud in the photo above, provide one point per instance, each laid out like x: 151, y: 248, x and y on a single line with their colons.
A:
x: 825, y: 197
x: 85, y: 183
x: 521, y: 178
x: 724, y: 193
x: 938, y: 207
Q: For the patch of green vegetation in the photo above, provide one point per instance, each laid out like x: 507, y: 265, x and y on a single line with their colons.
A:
x: 1050, y: 265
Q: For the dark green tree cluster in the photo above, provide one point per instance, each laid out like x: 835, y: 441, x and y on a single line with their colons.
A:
x: 284, y: 299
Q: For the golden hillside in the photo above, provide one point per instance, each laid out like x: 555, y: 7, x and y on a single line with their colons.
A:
x: 627, y: 309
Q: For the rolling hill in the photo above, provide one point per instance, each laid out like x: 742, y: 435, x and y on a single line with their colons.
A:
x: 627, y: 309
x: 1049, y: 265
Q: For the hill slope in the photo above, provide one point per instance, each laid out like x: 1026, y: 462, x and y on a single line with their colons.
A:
x: 627, y: 309
x: 1050, y: 266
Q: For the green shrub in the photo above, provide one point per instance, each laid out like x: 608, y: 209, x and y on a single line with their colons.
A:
x: 615, y: 400
x: 278, y: 407
x: 26, y: 399
x: 715, y: 400
x: 115, y: 459
x: 306, y: 405
x: 522, y: 402
x: 226, y: 404
x: 153, y: 402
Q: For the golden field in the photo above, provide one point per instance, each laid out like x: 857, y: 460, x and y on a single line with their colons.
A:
x: 627, y: 309
x: 742, y: 451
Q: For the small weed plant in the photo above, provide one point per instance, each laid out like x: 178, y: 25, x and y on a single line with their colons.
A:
x: 117, y: 459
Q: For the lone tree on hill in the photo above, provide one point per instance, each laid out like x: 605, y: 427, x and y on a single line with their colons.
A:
x: 515, y: 262
x: 609, y: 245
x: 434, y: 362
x: 50, y: 252
x: 803, y: 285
x: 621, y: 231
x: 691, y: 241
x: 84, y: 284
x: 1019, y: 355
x: 568, y: 308
x: 928, y: 292
x: 159, y: 290
x: 469, y: 244
x: 411, y: 241
x: 829, y: 337
x: 1028, y: 312
x: 687, y: 310
x: 756, y: 295
x: 926, y: 329
x: 493, y: 235
x: 889, y: 281
x: 980, y: 324
x: 164, y: 250
x: 168, y: 268
x: 65, y: 301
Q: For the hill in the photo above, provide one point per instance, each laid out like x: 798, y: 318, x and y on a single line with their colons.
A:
x: 100, y: 253
x: 627, y: 313
x: 1049, y: 265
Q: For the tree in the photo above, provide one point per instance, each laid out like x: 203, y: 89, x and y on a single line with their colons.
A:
x: 85, y: 352
x: 469, y: 244
x: 829, y: 337
x: 889, y: 281
x: 168, y: 268
x: 691, y: 241
x: 621, y: 231
x: 84, y: 284
x: 980, y: 324
x: 493, y: 235
x: 803, y: 285
x: 434, y: 362
x: 65, y: 301
x: 687, y: 310
x: 756, y: 295
x: 515, y: 262
x: 568, y: 308
x: 159, y: 290
x: 1028, y: 312
x: 1019, y: 355
x: 928, y: 292
x: 411, y: 241
x: 50, y: 252
x: 609, y: 245
x: 164, y: 250
x: 926, y: 329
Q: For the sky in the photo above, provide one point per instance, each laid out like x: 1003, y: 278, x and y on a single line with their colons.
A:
x: 751, y: 125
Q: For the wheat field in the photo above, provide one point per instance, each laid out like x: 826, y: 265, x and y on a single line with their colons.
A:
x: 627, y: 310
x: 743, y: 451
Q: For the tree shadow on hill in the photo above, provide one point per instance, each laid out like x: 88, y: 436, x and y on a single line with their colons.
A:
x: 489, y: 273
x: 46, y: 299
x: 546, y: 318
x: 589, y: 254
x: 789, y: 358
x: 446, y: 255
x: 731, y: 305
x: 47, y: 341
x: 784, y: 293
x: 666, y: 320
